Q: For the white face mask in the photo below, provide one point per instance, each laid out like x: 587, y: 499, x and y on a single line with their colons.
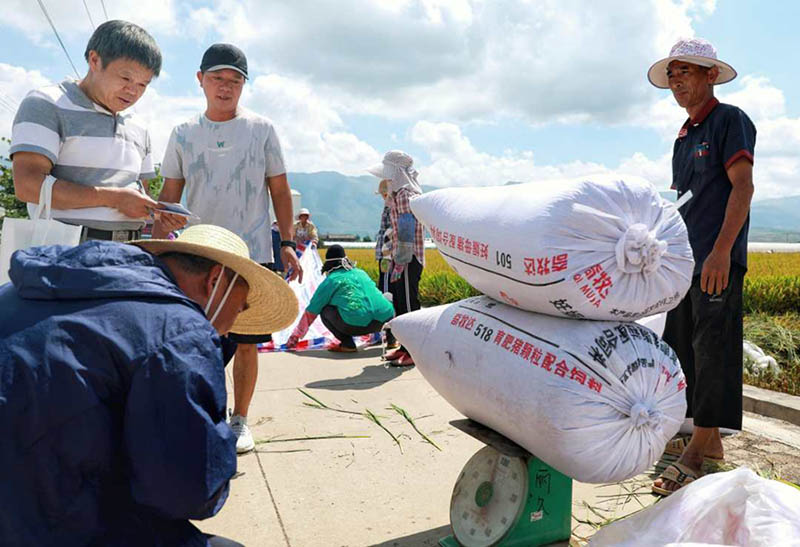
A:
x: 224, y: 297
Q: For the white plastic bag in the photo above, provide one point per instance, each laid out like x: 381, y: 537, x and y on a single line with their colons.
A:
x: 755, y: 360
x: 597, y: 400
x: 312, y: 278
x: 733, y: 508
x: 21, y: 233
x: 601, y: 248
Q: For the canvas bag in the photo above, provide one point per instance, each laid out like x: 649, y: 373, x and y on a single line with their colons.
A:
x: 601, y: 247
x: 597, y: 400
x: 20, y: 233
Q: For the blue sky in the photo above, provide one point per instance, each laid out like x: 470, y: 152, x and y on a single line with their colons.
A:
x: 479, y: 92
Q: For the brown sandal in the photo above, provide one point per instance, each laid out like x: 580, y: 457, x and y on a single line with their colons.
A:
x: 677, y: 473
x: 677, y: 445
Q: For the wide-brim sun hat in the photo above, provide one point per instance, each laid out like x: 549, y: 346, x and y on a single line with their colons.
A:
x: 696, y: 51
x: 272, y: 306
x: 394, y: 158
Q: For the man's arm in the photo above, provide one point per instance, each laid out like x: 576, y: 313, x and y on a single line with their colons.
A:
x: 166, y: 223
x: 282, y: 203
x: 716, y: 268
x: 30, y: 170
x: 179, y: 447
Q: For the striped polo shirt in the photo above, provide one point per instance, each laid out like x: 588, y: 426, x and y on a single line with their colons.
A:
x: 87, y: 145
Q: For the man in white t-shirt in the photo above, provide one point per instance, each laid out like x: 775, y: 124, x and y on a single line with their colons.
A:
x: 229, y: 160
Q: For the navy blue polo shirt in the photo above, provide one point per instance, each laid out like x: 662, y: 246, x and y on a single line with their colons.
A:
x: 706, y: 147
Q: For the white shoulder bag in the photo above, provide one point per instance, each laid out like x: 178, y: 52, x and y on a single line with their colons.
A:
x: 21, y: 233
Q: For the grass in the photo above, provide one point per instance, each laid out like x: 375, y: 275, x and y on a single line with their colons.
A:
x: 772, y: 264
x: 367, y: 414
x: 778, y: 336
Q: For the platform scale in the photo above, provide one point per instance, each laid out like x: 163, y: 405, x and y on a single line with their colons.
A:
x: 505, y: 496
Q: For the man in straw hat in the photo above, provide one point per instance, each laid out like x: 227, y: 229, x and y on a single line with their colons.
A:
x: 112, y: 386
x: 230, y: 162
x: 713, y: 160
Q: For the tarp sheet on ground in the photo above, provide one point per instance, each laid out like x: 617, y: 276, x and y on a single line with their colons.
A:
x: 317, y: 337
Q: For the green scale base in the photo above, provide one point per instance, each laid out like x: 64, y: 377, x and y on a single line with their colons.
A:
x: 507, y: 497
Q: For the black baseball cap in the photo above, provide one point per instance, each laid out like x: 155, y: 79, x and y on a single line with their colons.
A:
x: 221, y: 56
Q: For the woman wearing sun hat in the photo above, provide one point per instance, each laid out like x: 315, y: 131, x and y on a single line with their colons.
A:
x: 305, y: 232
x: 408, y: 251
x: 347, y: 302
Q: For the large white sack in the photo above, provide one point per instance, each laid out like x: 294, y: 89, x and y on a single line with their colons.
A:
x: 733, y: 508
x: 595, y: 249
x: 600, y: 405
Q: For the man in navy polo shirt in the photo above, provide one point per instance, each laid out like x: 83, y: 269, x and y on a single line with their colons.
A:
x: 712, y: 159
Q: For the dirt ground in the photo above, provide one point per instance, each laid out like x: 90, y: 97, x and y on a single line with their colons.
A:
x: 767, y: 457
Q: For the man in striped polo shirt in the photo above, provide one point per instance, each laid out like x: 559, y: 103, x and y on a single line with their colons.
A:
x: 75, y: 132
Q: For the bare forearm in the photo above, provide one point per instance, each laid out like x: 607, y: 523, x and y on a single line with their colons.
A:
x: 282, y: 203
x: 172, y: 190
x: 738, y: 206
x: 66, y: 194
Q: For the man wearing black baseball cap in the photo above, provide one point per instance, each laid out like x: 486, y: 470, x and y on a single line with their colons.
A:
x: 222, y: 56
x: 230, y: 162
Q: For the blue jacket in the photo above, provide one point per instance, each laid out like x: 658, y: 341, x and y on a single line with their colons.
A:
x: 112, y: 402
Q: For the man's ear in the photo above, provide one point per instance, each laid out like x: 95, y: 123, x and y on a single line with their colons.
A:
x: 713, y: 74
x: 211, y: 279
x: 200, y: 77
x: 95, y: 62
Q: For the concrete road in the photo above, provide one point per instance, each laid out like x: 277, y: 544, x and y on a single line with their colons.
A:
x: 363, y: 488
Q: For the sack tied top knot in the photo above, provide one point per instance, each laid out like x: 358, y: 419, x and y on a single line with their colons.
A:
x: 638, y: 250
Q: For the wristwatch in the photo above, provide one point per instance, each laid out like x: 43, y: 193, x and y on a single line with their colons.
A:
x: 287, y: 243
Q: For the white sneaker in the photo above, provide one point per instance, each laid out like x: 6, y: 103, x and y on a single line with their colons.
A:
x: 244, y: 439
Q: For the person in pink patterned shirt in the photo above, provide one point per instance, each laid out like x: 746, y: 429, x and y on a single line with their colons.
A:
x: 408, y: 249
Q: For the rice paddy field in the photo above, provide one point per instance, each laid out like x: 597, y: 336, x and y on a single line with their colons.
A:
x: 771, y: 303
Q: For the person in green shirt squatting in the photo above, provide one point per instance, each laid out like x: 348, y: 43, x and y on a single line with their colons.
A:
x: 347, y: 301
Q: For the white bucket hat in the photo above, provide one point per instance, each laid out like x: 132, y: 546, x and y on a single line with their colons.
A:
x: 692, y: 50
x: 397, y: 167
x: 302, y: 212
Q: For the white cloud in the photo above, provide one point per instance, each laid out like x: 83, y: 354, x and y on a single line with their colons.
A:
x: 544, y: 61
x: 312, y: 134
x: 71, y: 20
x: 456, y: 162
x: 15, y: 82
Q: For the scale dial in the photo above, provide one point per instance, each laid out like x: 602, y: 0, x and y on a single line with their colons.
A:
x: 488, y: 498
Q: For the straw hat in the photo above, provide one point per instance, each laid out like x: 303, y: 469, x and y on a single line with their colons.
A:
x: 272, y: 304
x: 695, y: 51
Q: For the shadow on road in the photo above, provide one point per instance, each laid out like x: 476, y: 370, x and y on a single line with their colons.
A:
x: 370, y: 376
x: 429, y: 538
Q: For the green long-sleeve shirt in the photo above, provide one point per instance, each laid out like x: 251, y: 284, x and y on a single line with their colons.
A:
x: 354, y: 294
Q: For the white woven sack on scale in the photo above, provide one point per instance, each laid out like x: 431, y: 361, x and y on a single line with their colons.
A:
x: 597, y: 248
x: 597, y: 400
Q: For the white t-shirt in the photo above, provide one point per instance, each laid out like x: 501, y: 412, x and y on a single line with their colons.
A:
x: 225, y: 166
